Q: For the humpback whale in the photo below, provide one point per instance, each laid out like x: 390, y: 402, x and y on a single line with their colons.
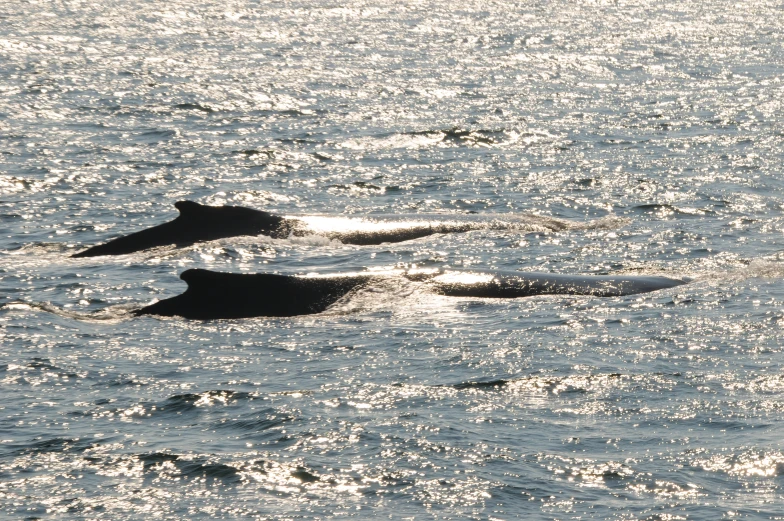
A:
x: 199, y: 223
x: 216, y: 295
x: 196, y: 223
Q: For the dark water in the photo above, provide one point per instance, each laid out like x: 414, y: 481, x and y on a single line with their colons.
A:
x: 654, y: 130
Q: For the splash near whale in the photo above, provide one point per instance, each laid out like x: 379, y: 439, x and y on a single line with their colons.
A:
x: 199, y: 223
x: 216, y: 295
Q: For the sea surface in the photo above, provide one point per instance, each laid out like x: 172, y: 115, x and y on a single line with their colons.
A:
x: 649, y: 134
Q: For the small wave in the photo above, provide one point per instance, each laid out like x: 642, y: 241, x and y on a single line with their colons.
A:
x: 37, y: 248
x: 609, y: 222
x: 109, y: 314
x: 262, y: 198
x: 209, y: 471
x: 459, y: 136
x: 664, y: 210
x: 262, y: 420
x: 174, y: 465
x: 53, y: 445
x: 253, y: 152
x: 359, y: 187
x: 180, y: 404
x: 314, y: 240
x: 156, y: 458
x: 380, y: 294
x: 489, y: 384
x: 304, y: 476
x: 449, y: 137
x: 156, y: 135
x: 195, y: 106
x: 179, y: 466
x: 543, y: 384
x: 185, y: 402
x: 284, y: 474
x: 587, y: 471
x: 58, y: 253
x: 744, y: 463
x: 44, y: 365
x: 765, y: 268
x: 38, y: 254
x: 543, y: 223
x: 529, y: 223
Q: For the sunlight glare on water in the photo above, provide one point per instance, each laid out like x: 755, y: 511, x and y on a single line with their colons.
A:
x: 590, y: 138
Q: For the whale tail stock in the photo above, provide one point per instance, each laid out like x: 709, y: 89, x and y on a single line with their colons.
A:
x: 215, y: 295
x: 196, y: 223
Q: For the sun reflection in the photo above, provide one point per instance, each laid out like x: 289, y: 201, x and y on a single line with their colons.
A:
x: 470, y: 277
x: 324, y: 225
x: 745, y: 464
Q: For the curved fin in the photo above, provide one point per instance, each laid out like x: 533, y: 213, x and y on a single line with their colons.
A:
x: 189, y: 208
x: 194, y: 275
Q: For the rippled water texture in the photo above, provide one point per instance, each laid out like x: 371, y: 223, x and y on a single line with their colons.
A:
x: 653, y: 130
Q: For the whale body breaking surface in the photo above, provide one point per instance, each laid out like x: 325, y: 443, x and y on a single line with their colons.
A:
x: 217, y: 295
x: 199, y: 223
x: 196, y: 223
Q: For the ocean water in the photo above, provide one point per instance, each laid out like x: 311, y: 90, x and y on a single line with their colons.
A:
x: 650, y: 136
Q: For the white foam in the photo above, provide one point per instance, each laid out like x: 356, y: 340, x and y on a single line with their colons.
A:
x: 109, y: 314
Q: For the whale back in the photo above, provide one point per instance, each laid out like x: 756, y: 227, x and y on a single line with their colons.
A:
x: 514, y: 284
x: 199, y: 222
x: 215, y: 295
x: 202, y: 214
x: 196, y: 223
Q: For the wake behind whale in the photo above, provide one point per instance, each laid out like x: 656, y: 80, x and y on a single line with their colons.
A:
x: 199, y: 223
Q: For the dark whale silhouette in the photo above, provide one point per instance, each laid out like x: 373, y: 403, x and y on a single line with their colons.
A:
x: 198, y: 223
x: 215, y: 295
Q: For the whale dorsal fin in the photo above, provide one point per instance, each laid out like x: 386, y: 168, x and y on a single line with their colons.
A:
x: 200, y: 280
x: 195, y: 275
x: 189, y: 208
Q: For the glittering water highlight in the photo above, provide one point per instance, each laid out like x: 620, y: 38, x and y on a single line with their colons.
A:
x: 662, y: 121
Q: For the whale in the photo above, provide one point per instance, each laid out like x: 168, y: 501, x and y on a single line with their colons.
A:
x: 196, y: 223
x: 200, y: 223
x: 220, y: 295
